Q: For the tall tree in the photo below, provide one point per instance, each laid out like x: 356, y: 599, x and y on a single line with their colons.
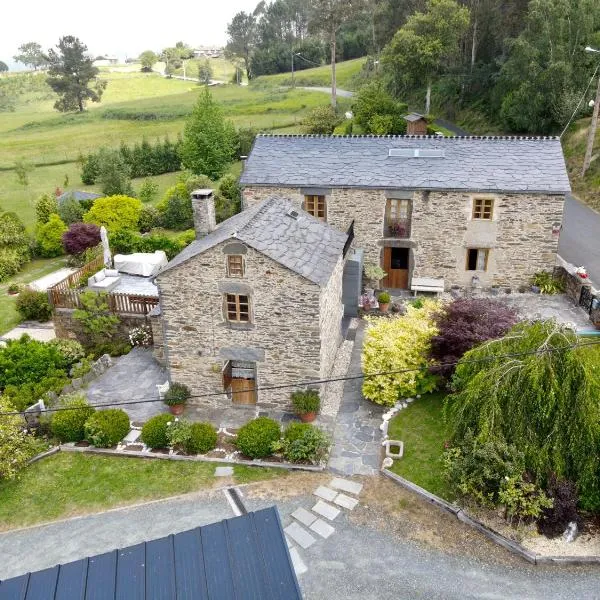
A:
x: 328, y: 16
x: 70, y: 74
x: 148, y: 59
x: 427, y: 46
x: 31, y: 55
x: 3, y: 67
x: 205, y: 72
x: 241, y: 38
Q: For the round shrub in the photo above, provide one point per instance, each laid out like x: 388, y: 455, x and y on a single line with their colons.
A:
x: 71, y: 350
x: 203, y: 438
x: 295, y: 431
x: 305, y: 444
x: 69, y: 425
x: 106, y: 428
x: 255, y: 439
x: 154, y: 431
x: 34, y: 306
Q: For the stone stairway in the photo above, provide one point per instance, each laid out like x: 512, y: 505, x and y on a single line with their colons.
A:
x: 300, y: 533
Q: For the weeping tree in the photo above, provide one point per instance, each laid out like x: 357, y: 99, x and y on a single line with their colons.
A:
x: 535, y: 390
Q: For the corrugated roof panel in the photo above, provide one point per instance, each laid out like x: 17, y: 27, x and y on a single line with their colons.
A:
x: 189, y: 566
x: 131, y: 573
x: 216, y: 562
x: 101, y: 577
x: 283, y: 584
x: 42, y: 584
x: 72, y: 579
x: 14, y: 589
x: 246, y: 563
x: 160, y: 569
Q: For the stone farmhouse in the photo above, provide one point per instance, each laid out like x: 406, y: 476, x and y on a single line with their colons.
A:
x: 471, y: 211
x: 256, y: 301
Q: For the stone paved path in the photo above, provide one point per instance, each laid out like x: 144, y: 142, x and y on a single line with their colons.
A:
x: 357, y: 439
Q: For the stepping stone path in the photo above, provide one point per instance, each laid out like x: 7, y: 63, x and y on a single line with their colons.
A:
x: 337, y: 492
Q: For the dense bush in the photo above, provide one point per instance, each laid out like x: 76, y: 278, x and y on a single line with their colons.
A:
x: 126, y: 242
x: 245, y: 139
x: 16, y: 446
x: 115, y: 213
x: 203, y: 438
x: 394, y: 345
x: 97, y: 322
x: 176, y: 208
x: 14, y: 244
x: 33, y: 305
x: 154, y: 431
x: 255, y: 439
x: 150, y: 218
x: 71, y: 211
x: 81, y: 237
x: 106, y: 428
x: 69, y: 425
x: 321, y: 120
x: 303, y: 442
x: 148, y: 190
x: 49, y: 237
x: 377, y: 112
x: 547, y: 283
x: 555, y: 519
x: 464, y: 324
x: 45, y: 206
x: 71, y: 350
x: 544, y: 401
x: 26, y: 394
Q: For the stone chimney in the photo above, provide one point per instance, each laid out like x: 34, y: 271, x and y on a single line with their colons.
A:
x: 203, y: 205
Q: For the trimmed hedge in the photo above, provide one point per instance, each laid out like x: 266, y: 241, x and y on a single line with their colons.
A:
x: 203, y: 438
x: 255, y: 439
x: 69, y: 425
x: 106, y: 428
x: 154, y: 431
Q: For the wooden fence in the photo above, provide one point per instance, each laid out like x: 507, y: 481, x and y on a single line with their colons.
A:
x: 74, y: 279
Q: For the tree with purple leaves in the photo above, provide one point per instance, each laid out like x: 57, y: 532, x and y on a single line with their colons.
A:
x: 80, y: 237
x: 464, y: 324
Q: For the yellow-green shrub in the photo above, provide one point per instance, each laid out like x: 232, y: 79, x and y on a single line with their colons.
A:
x: 398, y: 343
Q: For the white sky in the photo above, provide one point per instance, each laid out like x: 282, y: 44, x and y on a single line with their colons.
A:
x: 119, y: 27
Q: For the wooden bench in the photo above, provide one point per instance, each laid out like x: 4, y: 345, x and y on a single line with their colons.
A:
x: 427, y: 284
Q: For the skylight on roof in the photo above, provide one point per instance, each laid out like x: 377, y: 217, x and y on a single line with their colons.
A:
x: 416, y: 153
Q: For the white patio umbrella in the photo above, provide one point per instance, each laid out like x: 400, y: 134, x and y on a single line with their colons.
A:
x: 105, y: 247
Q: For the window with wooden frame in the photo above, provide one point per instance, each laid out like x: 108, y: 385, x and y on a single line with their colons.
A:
x: 315, y: 206
x: 235, y: 265
x: 237, y: 308
x: 477, y: 259
x: 483, y: 208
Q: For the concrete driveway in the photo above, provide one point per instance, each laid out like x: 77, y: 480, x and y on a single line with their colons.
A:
x: 580, y: 237
x: 392, y: 546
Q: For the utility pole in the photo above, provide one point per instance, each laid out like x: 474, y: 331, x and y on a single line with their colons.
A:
x: 293, y: 82
x: 593, y: 126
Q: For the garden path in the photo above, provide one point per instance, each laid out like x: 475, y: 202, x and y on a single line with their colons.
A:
x: 357, y: 438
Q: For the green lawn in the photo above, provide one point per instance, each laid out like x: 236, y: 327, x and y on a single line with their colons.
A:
x: 9, y: 317
x: 421, y: 427
x: 67, y: 484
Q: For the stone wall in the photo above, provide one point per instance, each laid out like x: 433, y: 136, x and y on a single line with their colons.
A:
x: 330, y: 317
x: 284, y: 338
x: 158, y: 339
x: 66, y: 327
x: 519, y: 236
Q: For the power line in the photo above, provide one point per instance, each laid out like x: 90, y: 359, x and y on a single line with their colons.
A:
x: 329, y: 380
x: 580, y: 101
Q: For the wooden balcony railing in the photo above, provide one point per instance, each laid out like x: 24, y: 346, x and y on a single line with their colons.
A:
x: 398, y: 228
x: 74, y: 279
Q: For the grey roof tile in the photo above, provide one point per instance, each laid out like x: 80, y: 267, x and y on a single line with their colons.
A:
x: 305, y: 245
x: 503, y: 164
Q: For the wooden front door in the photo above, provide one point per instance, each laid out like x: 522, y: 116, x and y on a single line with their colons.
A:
x: 395, y: 264
x: 239, y: 381
x: 243, y: 391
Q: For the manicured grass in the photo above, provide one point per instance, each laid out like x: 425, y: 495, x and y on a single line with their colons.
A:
x: 9, y: 317
x: 422, y: 429
x: 67, y: 484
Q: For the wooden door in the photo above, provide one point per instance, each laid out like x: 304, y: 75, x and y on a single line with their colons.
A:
x: 395, y: 264
x: 243, y: 391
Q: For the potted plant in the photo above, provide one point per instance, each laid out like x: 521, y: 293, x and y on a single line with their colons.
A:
x: 373, y: 274
x: 306, y: 404
x: 176, y: 397
x: 384, y: 301
x: 13, y: 289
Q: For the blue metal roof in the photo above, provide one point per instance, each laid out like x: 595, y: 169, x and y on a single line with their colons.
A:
x: 244, y: 558
x: 78, y: 195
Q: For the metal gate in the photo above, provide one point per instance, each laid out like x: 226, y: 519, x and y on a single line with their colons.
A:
x: 586, y: 299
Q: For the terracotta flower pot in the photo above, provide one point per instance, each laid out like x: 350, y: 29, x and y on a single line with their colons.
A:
x: 384, y: 306
x: 308, y: 417
x: 177, y: 409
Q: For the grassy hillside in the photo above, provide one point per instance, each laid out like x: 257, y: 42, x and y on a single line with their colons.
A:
x: 574, y: 144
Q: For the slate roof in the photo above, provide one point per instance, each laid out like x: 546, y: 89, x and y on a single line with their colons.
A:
x: 78, y: 195
x: 304, y: 244
x: 244, y: 557
x: 490, y: 164
x: 413, y: 117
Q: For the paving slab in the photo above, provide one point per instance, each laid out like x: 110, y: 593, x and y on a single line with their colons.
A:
x: 325, y: 493
x: 346, y: 501
x: 223, y: 471
x: 297, y: 562
x: 132, y: 436
x: 352, y: 487
x: 304, y: 516
x: 326, y: 510
x: 322, y: 528
x: 300, y: 535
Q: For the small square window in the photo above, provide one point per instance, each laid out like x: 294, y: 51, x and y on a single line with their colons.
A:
x: 235, y: 265
x: 477, y: 259
x: 237, y: 308
x: 483, y: 208
x: 315, y: 206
